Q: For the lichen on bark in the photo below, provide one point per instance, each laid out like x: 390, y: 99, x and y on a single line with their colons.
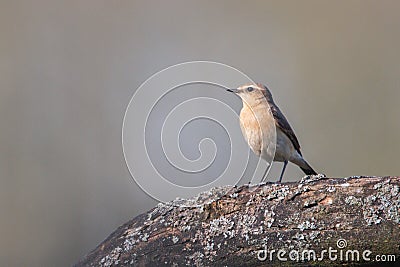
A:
x: 231, y: 226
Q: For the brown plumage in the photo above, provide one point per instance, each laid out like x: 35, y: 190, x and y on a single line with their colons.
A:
x: 259, y: 117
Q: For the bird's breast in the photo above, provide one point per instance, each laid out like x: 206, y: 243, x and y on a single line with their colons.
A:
x: 258, y: 129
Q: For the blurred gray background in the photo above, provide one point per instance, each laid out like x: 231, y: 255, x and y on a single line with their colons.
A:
x: 69, y: 68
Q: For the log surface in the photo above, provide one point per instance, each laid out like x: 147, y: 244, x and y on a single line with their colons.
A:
x: 252, y: 225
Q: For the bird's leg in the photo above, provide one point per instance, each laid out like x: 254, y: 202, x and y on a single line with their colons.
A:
x: 283, y: 170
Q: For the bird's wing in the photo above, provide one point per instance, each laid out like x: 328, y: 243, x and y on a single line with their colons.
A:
x: 284, y: 126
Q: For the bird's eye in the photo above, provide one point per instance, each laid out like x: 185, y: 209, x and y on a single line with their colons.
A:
x: 249, y: 89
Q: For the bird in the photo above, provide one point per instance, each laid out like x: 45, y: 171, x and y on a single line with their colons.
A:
x: 262, y: 124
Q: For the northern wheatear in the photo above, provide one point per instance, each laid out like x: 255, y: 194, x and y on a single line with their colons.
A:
x: 258, y: 117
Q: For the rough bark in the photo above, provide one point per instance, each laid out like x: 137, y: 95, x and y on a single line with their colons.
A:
x: 232, y: 226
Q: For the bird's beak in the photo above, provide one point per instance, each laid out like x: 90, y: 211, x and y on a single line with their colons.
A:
x: 233, y: 90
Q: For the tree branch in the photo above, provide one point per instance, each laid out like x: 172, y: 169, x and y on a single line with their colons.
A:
x: 263, y: 225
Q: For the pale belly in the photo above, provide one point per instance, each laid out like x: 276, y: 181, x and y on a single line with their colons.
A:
x: 262, y: 143
x: 284, y: 147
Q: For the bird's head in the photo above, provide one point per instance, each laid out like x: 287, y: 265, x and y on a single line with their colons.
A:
x: 252, y: 94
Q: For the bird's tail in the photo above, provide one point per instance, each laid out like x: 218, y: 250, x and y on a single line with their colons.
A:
x: 303, y: 164
x: 307, y: 169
